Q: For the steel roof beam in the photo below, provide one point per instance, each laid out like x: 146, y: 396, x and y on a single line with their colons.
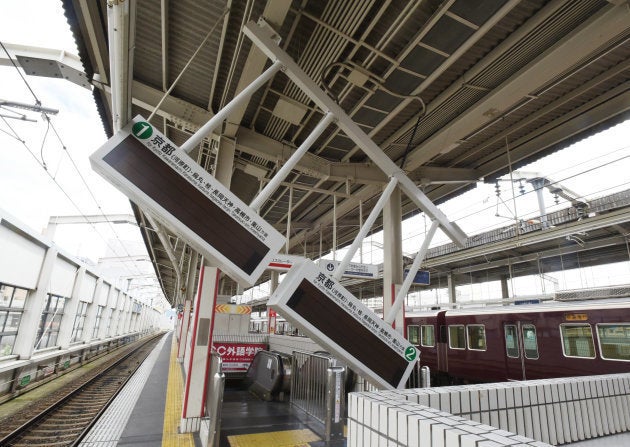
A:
x: 264, y: 38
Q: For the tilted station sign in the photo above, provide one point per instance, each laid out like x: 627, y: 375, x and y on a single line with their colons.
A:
x: 162, y: 179
x: 342, y: 324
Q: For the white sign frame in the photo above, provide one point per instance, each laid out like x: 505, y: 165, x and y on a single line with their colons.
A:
x: 333, y: 290
x: 220, y: 196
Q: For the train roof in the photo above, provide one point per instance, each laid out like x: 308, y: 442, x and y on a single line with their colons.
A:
x: 549, y: 306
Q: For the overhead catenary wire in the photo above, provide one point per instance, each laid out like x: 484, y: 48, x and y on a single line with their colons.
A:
x: 42, y: 164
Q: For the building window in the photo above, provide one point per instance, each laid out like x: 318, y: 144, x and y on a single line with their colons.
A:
x: 428, y: 335
x: 12, y: 301
x: 456, y: 336
x: 577, y: 340
x: 50, y: 322
x: 413, y: 335
x: 79, y: 320
x: 97, y: 321
x: 530, y: 343
x: 614, y: 341
x: 476, y: 337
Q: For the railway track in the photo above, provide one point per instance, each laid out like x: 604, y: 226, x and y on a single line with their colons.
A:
x: 64, y: 418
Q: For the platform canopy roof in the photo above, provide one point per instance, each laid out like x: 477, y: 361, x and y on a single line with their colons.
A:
x: 453, y: 91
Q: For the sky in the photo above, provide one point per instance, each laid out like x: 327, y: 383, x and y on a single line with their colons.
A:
x: 28, y: 191
x: 592, y: 168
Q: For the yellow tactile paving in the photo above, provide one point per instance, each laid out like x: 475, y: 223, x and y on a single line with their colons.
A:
x: 288, y: 438
x: 173, y: 408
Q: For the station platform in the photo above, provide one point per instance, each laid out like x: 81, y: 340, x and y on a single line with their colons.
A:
x: 147, y: 413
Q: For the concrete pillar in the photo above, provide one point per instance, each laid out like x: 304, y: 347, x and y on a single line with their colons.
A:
x: 392, y: 256
x: 450, y: 283
x: 505, y: 291
x: 33, y: 308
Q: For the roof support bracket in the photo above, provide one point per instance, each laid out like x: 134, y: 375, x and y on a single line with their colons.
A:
x: 263, y: 36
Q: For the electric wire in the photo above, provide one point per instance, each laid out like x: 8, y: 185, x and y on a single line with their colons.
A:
x: 43, y: 165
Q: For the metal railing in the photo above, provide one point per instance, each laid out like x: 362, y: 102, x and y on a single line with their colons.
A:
x: 214, y: 400
x: 318, y: 389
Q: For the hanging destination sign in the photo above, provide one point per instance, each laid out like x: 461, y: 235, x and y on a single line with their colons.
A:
x: 163, y: 180
x: 325, y: 311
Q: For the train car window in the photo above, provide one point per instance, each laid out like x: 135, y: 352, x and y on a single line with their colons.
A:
x: 511, y: 341
x: 456, y: 336
x: 428, y: 335
x: 413, y: 335
x: 530, y: 343
x: 476, y: 337
x: 614, y: 341
x: 577, y: 340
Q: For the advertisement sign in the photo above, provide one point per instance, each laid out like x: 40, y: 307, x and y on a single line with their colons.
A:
x: 238, y: 356
x: 354, y: 269
x: 340, y: 323
x: 163, y: 180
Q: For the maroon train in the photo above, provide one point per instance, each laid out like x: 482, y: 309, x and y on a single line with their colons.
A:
x: 521, y: 342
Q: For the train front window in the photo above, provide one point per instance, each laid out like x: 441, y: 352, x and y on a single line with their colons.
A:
x: 413, y: 335
x: 511, y: 341
x: 456, y: 336
x: 530, y: 344
x: 577, y: 340
x: 428, y: 335
x: 614, y: 341
x: 476, y: 337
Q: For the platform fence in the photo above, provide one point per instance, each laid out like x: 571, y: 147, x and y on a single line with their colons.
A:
x: 318, y: 389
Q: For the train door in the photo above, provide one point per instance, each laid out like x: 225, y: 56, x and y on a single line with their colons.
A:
x: 521, y: 347
x: 442, y: 342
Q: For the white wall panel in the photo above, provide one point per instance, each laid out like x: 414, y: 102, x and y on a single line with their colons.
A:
x: 101, y: 299
x: 87, y: 288
x: 20, y: 259
x: 63, y: 278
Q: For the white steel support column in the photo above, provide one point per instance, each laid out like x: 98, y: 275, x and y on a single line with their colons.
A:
x: 197, y: 360
x: 188, y: 296
x: 107, y: 313
x: 185, y: 324
x: 392, y: 255
x: 284, y: 171
x: 33, y: 308
x: 70, y: 310
x: 90, y: 317
x: 404, y: 289
x: 266, y: 39
x: 222, y: 114
x: 121, y: 30
x: 365, y: 227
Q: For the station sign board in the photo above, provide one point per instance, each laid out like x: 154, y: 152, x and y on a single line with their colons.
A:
x: 422, y: 278
x: 325, y: 311
x: 282, y: 262
x: 353, y: 270
x: 163, y: 180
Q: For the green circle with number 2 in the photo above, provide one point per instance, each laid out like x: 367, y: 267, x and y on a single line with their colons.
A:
x: 410, y: 353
